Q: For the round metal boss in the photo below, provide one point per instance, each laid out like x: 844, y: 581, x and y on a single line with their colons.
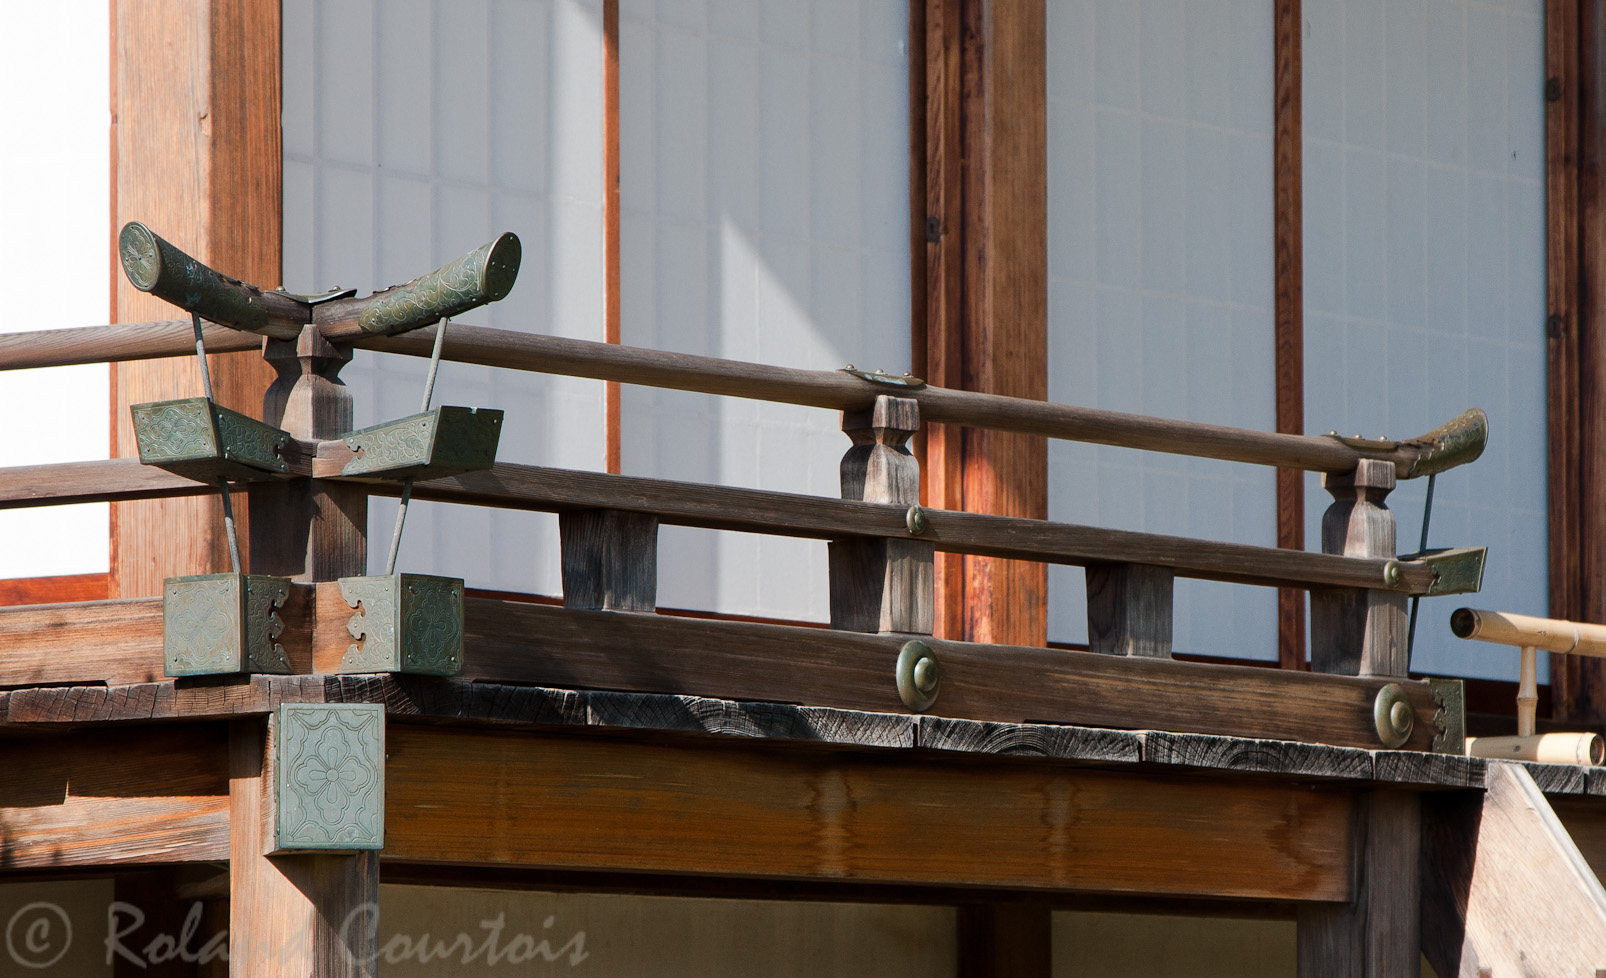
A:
x: 1393, y: 715
x: 919, y: 677
x: 915, y: 520
x: 1393, y: 573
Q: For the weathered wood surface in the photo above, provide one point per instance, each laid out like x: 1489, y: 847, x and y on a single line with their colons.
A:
x: 1257, y: 756
x: 1378, y: 932
x: 466, y: 796
x: 52, y: 590
x: 1505, y: 890
x: 609, y: 560
x: 65, y: 483
x: 94, y: 798
x: 749, y: 510
x: 1359, y: 631
x: 843, y: 392
x: 1288, y: 327
x: 300, y: 915
x: 1129, y: 609
x: 117, y: 343
x: 116, y: 642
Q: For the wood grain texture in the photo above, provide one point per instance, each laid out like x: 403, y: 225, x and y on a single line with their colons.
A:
x: 478, y: 797
x: 66, y: 483
x: 116, y: 642
x: 719, y: 507
x: 1256, y: 756
x: 198, y: 158
x: 53, y: 590
x: 1031, y: 740
x: 1378, y: 932
x: 525, y: 643
x: 1004, y: 345
x: 1576, y: 363
x: 1288, y: 234
x: 291, y: 915
x: 117, y: 343
x: 1359, y: 632
x: 96, y: 798
x: 1505, y: 890
x: 1129, y: 609
x: 609, y: 560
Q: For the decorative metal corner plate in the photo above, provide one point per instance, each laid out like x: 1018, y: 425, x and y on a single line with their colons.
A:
x: 1450, y: 719
x: 406, y: 623
x: 202, y: 440
x: 1456, y: 570
x: 220, y: 624
x: 444, y: 441
x: 330, y: 776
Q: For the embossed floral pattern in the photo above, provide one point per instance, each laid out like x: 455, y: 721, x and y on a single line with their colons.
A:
x: 331, y: 776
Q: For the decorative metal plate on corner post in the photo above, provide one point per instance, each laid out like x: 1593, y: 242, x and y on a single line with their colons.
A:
x: 440, y: 442
x: 221, y: 624
x: 199, y: 439
x: 406, y: 623
x: 1450, y: 720
x: 329, y: 777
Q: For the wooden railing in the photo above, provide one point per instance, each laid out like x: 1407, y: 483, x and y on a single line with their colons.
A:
x: 881, y: 541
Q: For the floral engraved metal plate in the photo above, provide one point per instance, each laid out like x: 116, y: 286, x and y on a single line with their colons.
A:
x: 445, y: 441
x: 408, y: 623
x: 330, y: 760
x: 219, y: 624
x: 484, y: 275
x: 197, y: 438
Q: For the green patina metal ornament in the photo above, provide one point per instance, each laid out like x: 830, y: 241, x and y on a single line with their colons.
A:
x: 223, y: 624
x: 200, y: 439
x: 440, y: 442
x: 484, y: 275
x: 404, y: 623
x: 329, y: 761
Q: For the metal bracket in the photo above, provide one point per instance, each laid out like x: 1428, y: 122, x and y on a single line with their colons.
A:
x: 908, y: 381
x: 1456, y: 570
x: 444, y: 441
x: 200, y: 439
x: 407, y: 623
x: 320, y: 298
x: 329, y: 777
x: 919, y: 676
x: 222, y: 624
x: 1450, y: 720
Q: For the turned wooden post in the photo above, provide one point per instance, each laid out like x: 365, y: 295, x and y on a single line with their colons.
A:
x: 1353, y: 631
x: 311, y: 530
x: 1129, y: 609
x: 882, y: 585
x: 610, y: 560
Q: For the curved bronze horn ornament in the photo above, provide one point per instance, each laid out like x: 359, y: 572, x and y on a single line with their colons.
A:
x: 1456, y: 442
x: 155, y: 266
x: 482, y: 276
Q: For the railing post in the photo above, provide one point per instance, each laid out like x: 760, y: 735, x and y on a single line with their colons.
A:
x: 1359, y: 632
x: 610, y: 560
x: 311, y: 530
x: 882, y: 585
x: 1129, y: 609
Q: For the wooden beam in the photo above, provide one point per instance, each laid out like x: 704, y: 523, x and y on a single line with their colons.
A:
x: 198, y: 156
x: 477, y: 797
x: 104, y: 797
x: 1289, y: 244
x: 612, y: 301
x: 53, y: 590
x: 1377, y: 932
x: 115, y: 642
x: 312, y: 916
x: 1505, y: 890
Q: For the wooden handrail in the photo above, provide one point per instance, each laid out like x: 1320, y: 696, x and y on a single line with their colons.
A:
x: 538, y: 488
x: 1456, y: 443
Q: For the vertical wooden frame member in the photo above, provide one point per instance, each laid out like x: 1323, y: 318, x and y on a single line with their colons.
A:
x: 610, y: 219
x: 198, y: 156
x: 1289, y: 328
x: 986, y: 293
x: 1575, y: 126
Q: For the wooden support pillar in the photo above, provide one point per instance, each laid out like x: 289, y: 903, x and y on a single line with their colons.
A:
x: 610, y: 560
x: 1377, y: 934
x: 310, y: 530
x: 291, y: 916
x: 998, y: 940
x: 1129, y: 609
x: 196, y: 145
x: 986, y: 291
x: 882, y: 585
x: 1358, y: 632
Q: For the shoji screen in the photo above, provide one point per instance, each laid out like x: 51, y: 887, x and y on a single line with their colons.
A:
x: 764, y: 190
x: 414, y: 131
x: 1425, y: 271
x: 1160, y: 281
